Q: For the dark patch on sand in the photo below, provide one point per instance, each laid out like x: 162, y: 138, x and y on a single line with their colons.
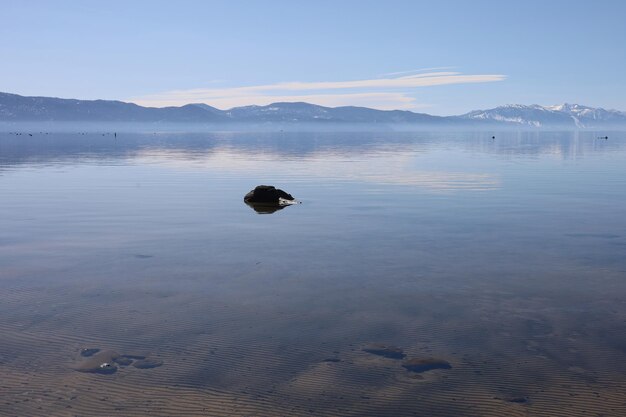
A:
x: 387, y: 351
x: 123, y: 361
x: 425, y: 364
x: 107, y: 361
x: 102, y: 362
x: 87, y: 352
x: 147, y: 363
x: 134, y: 357
x: 518, y: 400
x: 514, y: 399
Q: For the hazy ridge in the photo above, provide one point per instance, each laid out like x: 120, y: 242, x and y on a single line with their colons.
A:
x: 16, y: 108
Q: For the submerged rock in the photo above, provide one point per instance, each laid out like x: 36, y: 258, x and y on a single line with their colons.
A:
x: 425, y: 364
x: 388, y: 351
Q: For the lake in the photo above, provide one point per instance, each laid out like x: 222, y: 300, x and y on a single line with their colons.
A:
x: 423, y: 273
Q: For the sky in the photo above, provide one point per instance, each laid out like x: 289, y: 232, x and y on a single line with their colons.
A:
x: 437, y: 57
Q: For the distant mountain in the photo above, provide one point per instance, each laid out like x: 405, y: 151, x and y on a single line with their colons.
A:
x: 588, y: 116
x: 305, y: 112
x: 16, y: 108
x: 566, y: 115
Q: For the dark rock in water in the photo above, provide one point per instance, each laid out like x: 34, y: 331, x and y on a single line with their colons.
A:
x: 87, y: 352
x: 391, y: 352
x: 332, y: 360
x: 266, y: 199
x: 267, y: 194
x: 427, y: 364
x: 147, y: 363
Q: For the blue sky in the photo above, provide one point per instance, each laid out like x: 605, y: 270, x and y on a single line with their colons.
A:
x: 439, y: 57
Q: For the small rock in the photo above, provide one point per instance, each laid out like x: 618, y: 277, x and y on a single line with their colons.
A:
x: 267, y: 194
x: 106, y: 368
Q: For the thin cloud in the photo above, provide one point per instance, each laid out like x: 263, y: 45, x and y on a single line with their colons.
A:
x: 329, y: 93
x: 415, y: 71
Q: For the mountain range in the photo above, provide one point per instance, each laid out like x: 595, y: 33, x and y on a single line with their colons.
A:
x: 16, y: 108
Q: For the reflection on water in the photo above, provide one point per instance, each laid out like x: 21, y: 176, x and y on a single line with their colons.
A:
x: 268, y: 208
x: 262, y: 208
x: 489, y: 275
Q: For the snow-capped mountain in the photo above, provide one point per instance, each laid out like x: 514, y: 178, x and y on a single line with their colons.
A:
x: 586, y: 116
x: 565, y: 115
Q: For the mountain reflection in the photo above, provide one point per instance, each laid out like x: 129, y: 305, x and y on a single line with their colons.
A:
x: 438, y: 161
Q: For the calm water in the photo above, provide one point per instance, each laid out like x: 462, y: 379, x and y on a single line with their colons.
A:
x: 505, y: 258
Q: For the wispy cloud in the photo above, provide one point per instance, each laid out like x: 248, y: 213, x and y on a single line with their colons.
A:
x: 381, y: 93
x: 415, y: 71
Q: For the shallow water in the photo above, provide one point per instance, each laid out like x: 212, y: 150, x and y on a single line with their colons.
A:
x: 505, y: 259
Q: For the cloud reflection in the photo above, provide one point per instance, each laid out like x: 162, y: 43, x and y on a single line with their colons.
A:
x: 383, y: 167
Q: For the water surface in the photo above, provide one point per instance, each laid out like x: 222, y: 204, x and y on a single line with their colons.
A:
x: 504, y: 259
